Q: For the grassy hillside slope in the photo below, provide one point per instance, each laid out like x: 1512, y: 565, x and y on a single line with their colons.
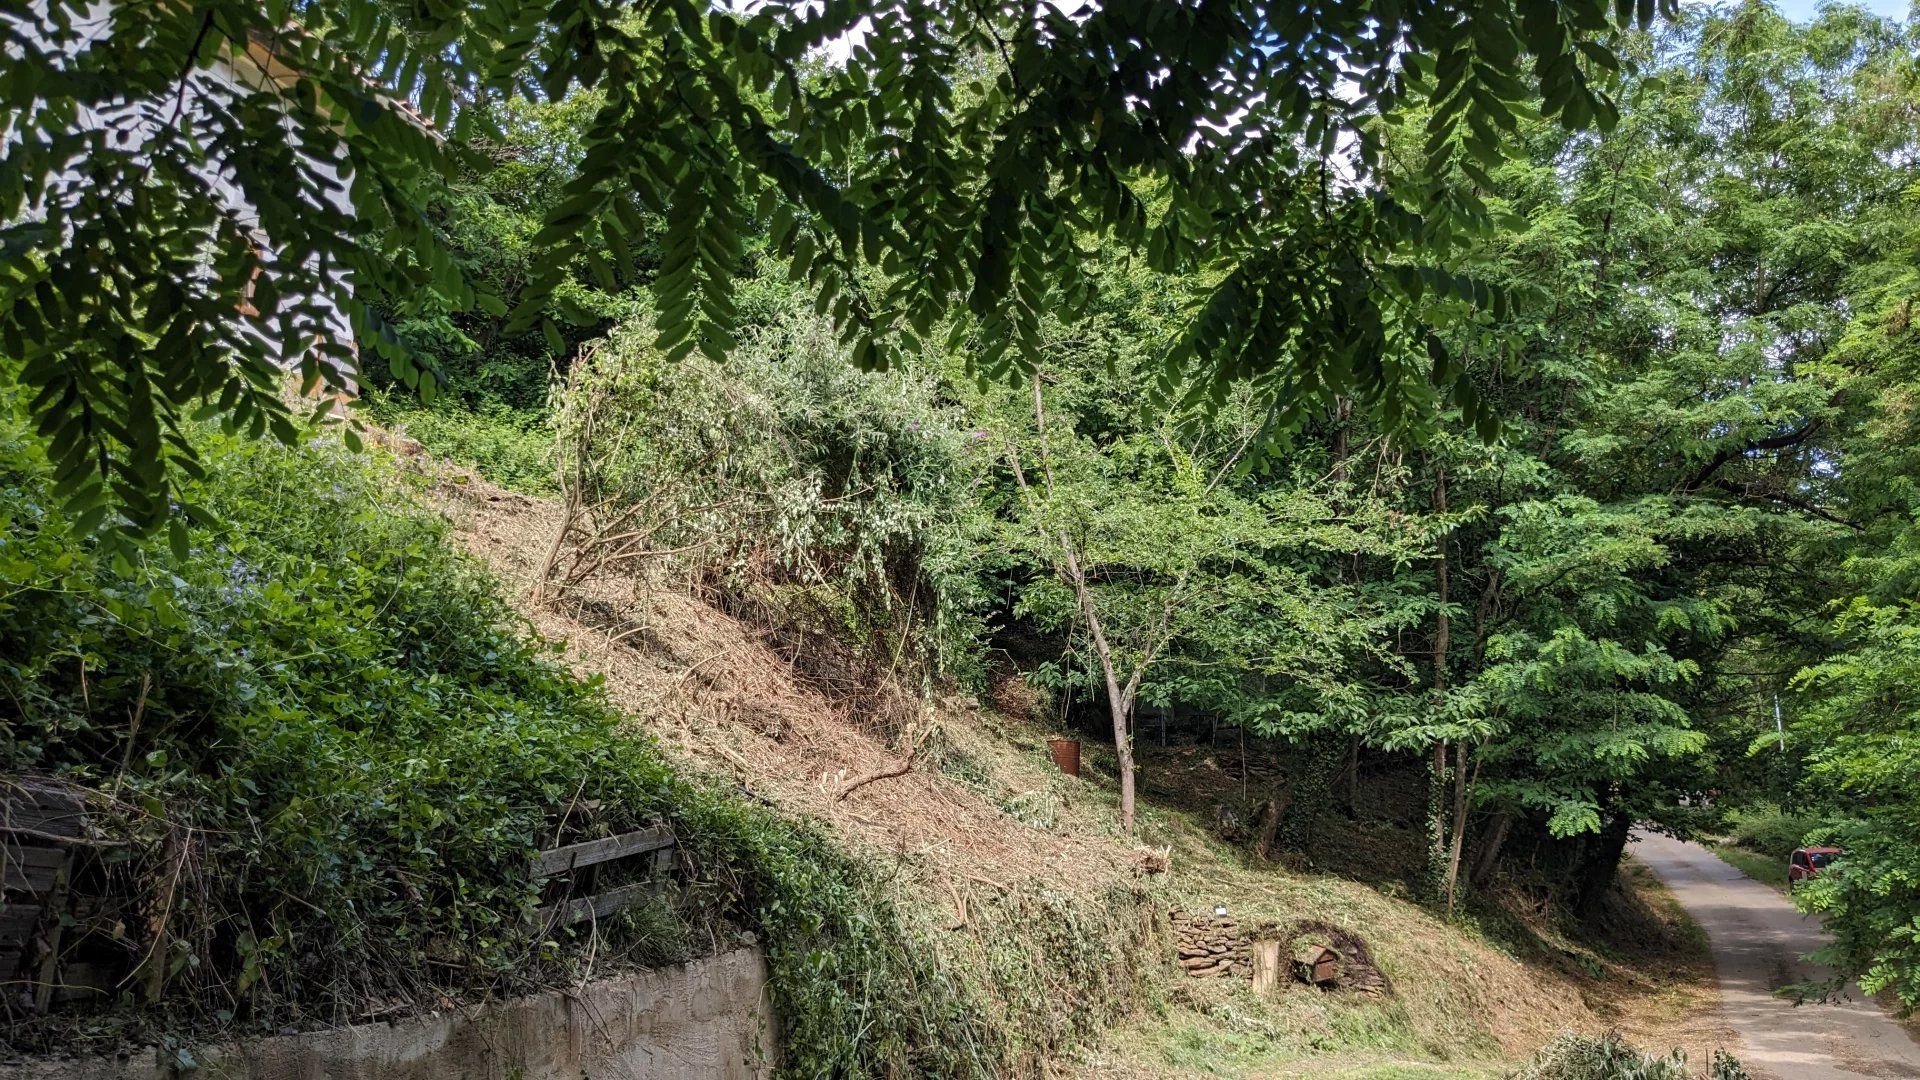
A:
x: 1017, y: 876
x: 322, y: 743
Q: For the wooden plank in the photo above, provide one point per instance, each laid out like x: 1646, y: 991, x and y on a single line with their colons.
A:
x: 50, y: 956
x: 596, y: 907
x: 18, y: 922
x: 41, y: 806
x: 30, y: 870
x: 588, y: 852
x: 1266, y: 968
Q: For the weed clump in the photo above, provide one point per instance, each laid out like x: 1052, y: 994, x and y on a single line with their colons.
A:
x: 1612, y: 1057
x: 1769, y: 830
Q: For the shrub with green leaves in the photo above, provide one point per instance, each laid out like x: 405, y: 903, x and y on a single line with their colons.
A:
x: 511, y: 447
x: 1769, y: 830
x: 842, y: 498
x: 326, y: 706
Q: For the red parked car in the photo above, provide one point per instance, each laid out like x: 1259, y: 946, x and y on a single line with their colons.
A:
x: 1806, y: 863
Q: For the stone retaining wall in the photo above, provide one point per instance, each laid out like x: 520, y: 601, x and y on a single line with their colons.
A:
x: 1212, y: 946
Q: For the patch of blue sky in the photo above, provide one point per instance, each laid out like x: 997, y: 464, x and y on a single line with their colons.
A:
x: 1807, y: 10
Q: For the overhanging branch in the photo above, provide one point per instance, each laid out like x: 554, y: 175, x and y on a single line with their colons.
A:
x: 1772, y: 442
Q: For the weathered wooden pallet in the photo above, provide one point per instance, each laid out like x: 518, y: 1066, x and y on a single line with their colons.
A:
x: 41, y: 809
x: 35, y: 816
x: 572, y: 857
x: 656, y: 843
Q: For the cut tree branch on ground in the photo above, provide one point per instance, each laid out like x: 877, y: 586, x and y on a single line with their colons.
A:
x: 899, y: 768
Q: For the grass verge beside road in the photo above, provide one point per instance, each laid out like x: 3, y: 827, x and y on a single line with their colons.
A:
x: 1762, y: 868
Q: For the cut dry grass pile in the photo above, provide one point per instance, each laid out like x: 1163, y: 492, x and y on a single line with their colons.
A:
x: 982, y: 809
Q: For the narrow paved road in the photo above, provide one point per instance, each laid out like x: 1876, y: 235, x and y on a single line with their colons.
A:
x: 1758, y: 942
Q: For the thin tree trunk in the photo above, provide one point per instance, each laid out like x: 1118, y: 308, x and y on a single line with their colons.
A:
x: 1436, y: 799
x: 1120, y: 698
x: 1119, y: 702
x: 1460, y: 784
x: 1350, y: 778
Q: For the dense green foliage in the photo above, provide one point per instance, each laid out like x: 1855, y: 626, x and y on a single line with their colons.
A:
x: 334, y: 710
x: 511, y: 447
x: 1121, y: 348
x: 1706, y: 387
x: 962, y: 150
x: 1768, y: 830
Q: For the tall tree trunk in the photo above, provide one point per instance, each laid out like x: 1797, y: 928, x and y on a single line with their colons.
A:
x: 1272, y: 816
x: 1342, y: 417
x: 1601, y: 862
x: 1350, y: 780
x: 1437, y: 783
x: 1487, y: 855
x: 1459, y: 818
x: 1340, y: 451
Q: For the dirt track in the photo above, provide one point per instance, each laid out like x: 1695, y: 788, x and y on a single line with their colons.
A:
x: 1758, y: 942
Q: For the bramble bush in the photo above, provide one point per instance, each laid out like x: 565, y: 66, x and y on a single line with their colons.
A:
x: 838, y: 499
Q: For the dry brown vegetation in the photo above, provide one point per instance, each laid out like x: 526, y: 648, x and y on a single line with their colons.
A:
x: 794, y: 718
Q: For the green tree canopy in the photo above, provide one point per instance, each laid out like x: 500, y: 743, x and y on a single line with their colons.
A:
x: 965, y: 150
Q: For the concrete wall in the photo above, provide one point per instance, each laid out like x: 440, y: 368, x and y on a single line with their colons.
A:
x: 710, y: 1018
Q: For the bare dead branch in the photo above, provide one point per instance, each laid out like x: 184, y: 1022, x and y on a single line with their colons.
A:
x: 899, y: 768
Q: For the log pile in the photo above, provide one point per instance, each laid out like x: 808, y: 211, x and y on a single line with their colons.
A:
x: 1329, y: 957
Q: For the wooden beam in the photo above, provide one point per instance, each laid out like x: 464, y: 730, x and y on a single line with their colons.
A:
x: 596, y: 907
x: 30, y: 870
x: 41, y: 807
x: 56, y: 902
x: 586, y: 853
